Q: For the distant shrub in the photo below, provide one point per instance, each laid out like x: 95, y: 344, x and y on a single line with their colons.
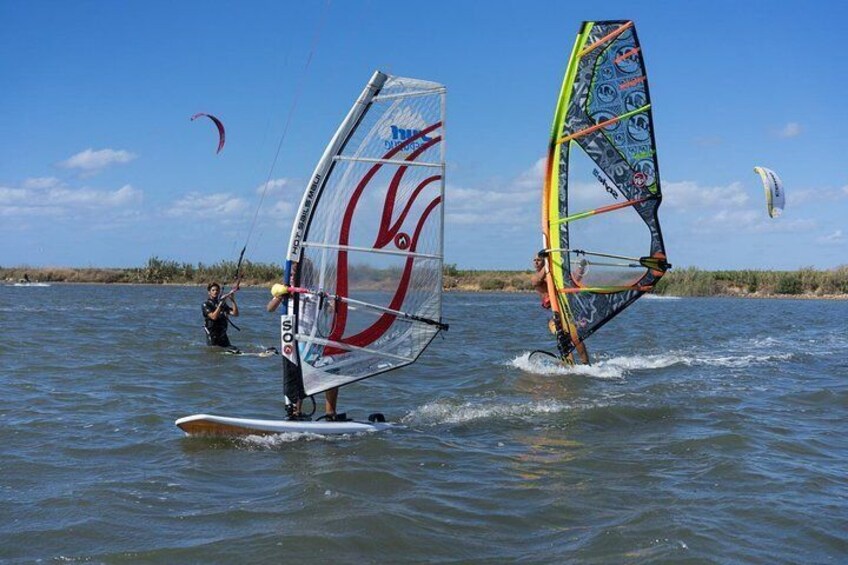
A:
x: 789, y: 283
x: 680, y: 282
x: 492, y: 283
x: 450, y: 270
x: 688, y: 282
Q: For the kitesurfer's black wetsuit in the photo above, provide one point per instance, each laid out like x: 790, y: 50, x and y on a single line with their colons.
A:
x: 216, y: 330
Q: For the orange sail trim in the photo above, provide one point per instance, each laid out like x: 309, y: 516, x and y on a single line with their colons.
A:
x: 589, y: 130
x: 603, y: 290
x: 606, y: 38
x: 626, y: 55
x: 610, y: 121
x: 612, y: 207
x: 601, y: 210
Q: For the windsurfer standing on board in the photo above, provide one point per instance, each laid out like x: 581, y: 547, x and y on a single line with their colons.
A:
x: 539, y: 278
x: 308, y: 307
x: 216, y: 314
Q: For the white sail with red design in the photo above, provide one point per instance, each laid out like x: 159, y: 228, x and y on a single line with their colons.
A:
x: 365, y: 254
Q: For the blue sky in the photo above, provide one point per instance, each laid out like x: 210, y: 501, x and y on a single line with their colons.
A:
x: 100, y: 165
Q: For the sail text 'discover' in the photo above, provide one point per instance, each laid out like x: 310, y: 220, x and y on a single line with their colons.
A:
x: 602, y: 186
x: 367, y: 241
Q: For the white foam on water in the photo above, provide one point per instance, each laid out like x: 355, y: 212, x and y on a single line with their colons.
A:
x: 612, y: 368
x: 619, y: 367
x: 785, y: 347
x: 736, y: 361
x: 446, y: 412
x: 650, y: 296
x: 276, y: 440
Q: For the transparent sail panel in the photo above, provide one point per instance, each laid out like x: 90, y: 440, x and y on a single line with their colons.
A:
x: 604, y: 246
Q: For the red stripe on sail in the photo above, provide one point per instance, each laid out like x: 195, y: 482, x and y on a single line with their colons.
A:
x: 373, y: 332
x: 340, y: 321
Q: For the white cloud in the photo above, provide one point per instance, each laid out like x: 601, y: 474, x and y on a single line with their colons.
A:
x: 835, y: 238
x: 41, y: 182
x: 800, y: 197
x: 196, y: 205
x: 815, y: 195
x: 532, y: 178
x: 280, y: 209
x: 475, y: 206
x: 688, y: 195
x: 92, y: 161
x: 275, y: 186
x: 792, y: 129
x: 463, y: 196
x: 124, y: 196
x: 728, y: 220
x: 515, y: 203
x: 750, y: 221
x: 48, y: 197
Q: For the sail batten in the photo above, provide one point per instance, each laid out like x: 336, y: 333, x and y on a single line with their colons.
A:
x: 372, y: 250
x: 348, y: 347
x: 603, y: 124
x: 388, y: 162
x: 410, y: 94
x: 606, y: 38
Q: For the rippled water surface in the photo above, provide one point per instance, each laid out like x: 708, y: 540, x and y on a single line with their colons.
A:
x: 708, y: 430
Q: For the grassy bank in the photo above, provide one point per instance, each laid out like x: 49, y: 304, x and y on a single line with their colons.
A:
x: 691, y: 281
x: 803, y: 282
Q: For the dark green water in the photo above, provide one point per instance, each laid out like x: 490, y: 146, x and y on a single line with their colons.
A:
x: 709, y: 430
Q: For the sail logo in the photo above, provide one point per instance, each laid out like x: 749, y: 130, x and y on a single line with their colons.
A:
x: 605, y: 184
x: 401, y: 135
x: 306, y: 213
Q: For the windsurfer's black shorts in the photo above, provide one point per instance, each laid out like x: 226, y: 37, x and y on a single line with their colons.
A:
x: 219, y: 340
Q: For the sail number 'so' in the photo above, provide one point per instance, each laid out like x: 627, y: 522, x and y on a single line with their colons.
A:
x: 287, y: 327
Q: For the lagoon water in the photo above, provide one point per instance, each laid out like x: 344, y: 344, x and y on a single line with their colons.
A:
x: 708, y: 431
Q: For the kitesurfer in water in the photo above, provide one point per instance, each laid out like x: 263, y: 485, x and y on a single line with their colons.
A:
x: 216, y: 313
x: 539, y: 278
x: 331, y: 396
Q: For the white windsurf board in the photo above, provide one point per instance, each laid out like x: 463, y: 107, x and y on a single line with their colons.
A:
x: 223, y: 426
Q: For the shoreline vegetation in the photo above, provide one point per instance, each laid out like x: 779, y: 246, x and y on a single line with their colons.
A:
x: 806, y: 282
